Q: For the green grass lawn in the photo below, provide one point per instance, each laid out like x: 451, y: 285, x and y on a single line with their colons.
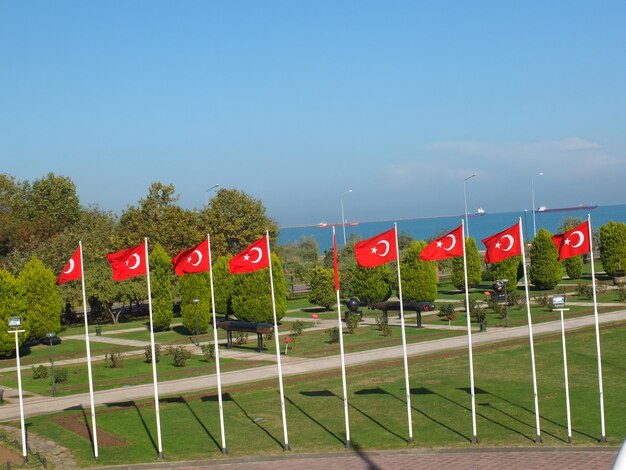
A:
x: 377, y: 407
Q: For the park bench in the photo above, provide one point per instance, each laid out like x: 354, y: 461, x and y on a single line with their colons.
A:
x: 245, y: 327
x: 418, y: 307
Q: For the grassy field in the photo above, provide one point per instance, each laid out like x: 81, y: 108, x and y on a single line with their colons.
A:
x: 378, y: 415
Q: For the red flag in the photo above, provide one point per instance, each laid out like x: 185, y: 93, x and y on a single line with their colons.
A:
x: 377, y: 250
x: 193, y: 260
x: 573, y: 242
x: 73, y: 269
x: 335, y: 265
x: 251, y: 259
x: 503, y: 245
x: 127, y: 263
x: 448, y: 246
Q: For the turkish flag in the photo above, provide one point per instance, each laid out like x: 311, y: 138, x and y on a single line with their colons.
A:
x: 127, y: 263
x: 573, y: 242
x: 448, y: 246
x: 503, y: 245
x: 253, y: 258
x: 73, y: 269
x: 335, y: 264
x: 377, y: 250
x: 193, y: 260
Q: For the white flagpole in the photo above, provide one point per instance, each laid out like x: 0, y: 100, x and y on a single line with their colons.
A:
x: 217, y: 351
x: 404, y: 352
x: 475, y: 439
x: 530, y: 333
x: 595, y: 314
x: 94, y: 431
x: 567, y: 403
x: 20, y: 396
x: 343, y: 359
x: 152, y: 349
x: 280, y: 369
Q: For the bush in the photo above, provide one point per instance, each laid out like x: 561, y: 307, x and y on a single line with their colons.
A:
x: 371, y: 284
x: 613, y: 247
x: 584, y: 290
x: 296, y: 329
x: 515, y: 299
x: 241, y: 337
x: 446, y: 311
x: 419, y: 278
x: 473, y: 267
x: 40, y: 372
x: 322, y: 287
x: 333, y: 335
x: 545, y: 269
x: 60, y: 375
x: 161, y: 282
x: 148, y: 353
x: 382, y: 323
x: 180, y: 355
x: 352, y: 322
x: 573, y: 267
x: 208, y: 351
x: 115, y: 360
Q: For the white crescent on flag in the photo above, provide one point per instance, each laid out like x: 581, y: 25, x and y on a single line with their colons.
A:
x: 511, y: 242
x: 581, y: 238
x: 453, y: 244
x: 259, y: 251
x: 137, y: 261
x: 386, y: 243
x: 71, y: 267
x: 199, y: 253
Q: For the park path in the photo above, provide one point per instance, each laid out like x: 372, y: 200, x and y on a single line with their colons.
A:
x: 291, y: 366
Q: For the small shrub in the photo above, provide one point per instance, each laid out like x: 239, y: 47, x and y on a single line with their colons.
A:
x: 447, y: 311
x: 584, y: 290
x: 40, y: 372
x: 333, y: 335
x: 382, y: 323
x: 241, y: 337
x: 180, y: 355
x: 114, y: 360
x: 352, y: 322
x: 60, y: 375
x: 148, y: 353
x: 515, y: 299
x: 542, y: 300
x: 269, y: 336
x: 297, y: 328
x: 621, y: 294
x: 601, y: 287
x: 208, y: 351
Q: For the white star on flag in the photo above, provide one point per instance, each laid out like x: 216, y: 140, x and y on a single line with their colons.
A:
x: 566, y: 241
x: 246, y: 257
x: 439, y: 244
x: 498, y: 245
x: 374, y: 250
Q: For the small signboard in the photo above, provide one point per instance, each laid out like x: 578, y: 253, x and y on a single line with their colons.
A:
x: 558, y: 300
x: 15, y: 322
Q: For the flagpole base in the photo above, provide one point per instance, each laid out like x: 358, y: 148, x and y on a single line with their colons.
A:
x: 538, y: 439
x: 411, y: 440
x: 286, y: 448
x: 475, y: 440
x: 569, y: 439
x: 348, y: 445
x: 224, y: 451
x: 161, y: 456
x: 603, y: 439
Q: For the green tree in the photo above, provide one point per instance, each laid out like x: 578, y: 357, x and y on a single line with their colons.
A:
x: 574, y: 265
x: 507, y: 269
x: 41, y: 297
x: 196, y: 287
x: 419, y: 278
x: 234, y: 219
x: 473, y: 266
x: 252, y: 298
x: 161, y: 284
x: 545, y: 269
x: 12, y: 213
x: 12, y: 305
x: 322, y: 287
x: 223, y: 282
x: 299, y: 258
x: 371, y: 284
x: 613, y: 247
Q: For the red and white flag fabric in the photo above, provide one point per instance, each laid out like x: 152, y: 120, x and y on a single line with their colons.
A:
x: 253, y: 258
x: 128, y: 263
x: 377, y: 250
x: 73, y: 269
x: 503, y: 245
x: 448, y: 246
x: 193, y: 260
x: 335, y: 264
x: 574, y: 242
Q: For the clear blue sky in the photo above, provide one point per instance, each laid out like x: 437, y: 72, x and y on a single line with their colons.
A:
x: 296, y: 102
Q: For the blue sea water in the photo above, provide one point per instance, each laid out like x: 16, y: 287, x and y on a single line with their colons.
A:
x: 479, y: 227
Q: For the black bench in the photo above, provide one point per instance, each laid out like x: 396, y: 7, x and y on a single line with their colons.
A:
x: 418, y: 307
x: 246, y: 327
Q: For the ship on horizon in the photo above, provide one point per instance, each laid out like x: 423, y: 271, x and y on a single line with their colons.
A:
x: 354, y: 223
x: 563, y: 209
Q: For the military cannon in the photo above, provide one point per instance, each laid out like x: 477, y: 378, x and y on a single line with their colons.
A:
x: 417, y: 307
x: 246, y: 327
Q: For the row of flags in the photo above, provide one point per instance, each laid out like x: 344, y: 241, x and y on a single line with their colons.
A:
x: 374, y: 251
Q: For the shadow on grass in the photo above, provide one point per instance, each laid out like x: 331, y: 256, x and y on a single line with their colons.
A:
x: 88, y: 428
x: 132, y: 404
x: 181, y: 330
x: 197, y: 418
x: 322, y: 393
x: 375, y: 391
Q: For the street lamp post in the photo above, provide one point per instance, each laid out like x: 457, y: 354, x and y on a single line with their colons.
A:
x: 195, y: 301
x: 465, y: 197
x: 343, y: 218
x: 207, y: 192
x: 14, y: 324
x: 532, y: 191
x: 50, y: 337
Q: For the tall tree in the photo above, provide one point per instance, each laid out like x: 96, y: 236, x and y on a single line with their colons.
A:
x: 474, y: 273
x: 419, y: 278
x: 322, y: 287
x: 41, y: 297
x: 235, y: 219
x: 613, y: 247
x: 507, y: 269
x: 196, y: 287
x: 371, y: 284
x: 161, y: 274
x: 574, y: 265
x: 12, y: 305
x: 545, y: 269
x: 223, y: 282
